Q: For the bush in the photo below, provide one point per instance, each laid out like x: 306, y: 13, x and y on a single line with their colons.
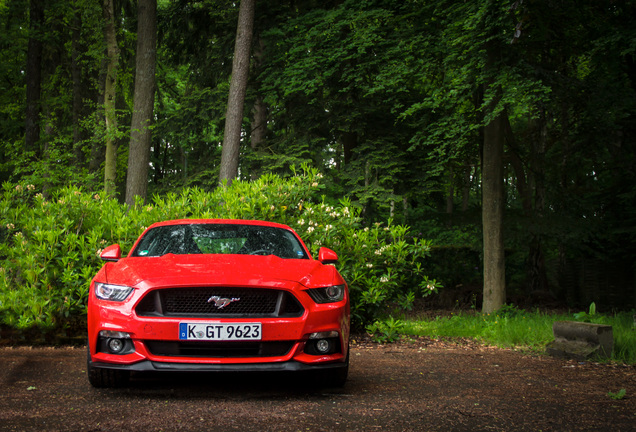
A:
x: 50, y: 247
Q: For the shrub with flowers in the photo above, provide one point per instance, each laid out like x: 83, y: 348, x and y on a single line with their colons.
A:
x: 50, y: 246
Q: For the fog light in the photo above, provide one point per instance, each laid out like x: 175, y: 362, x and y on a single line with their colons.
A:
x: 115, y: 346
x: 323, y: 346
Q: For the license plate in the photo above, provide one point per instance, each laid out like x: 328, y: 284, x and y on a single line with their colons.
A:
x: 219, y: 331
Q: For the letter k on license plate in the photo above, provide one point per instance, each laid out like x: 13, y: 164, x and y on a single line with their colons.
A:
x: 219, y: 331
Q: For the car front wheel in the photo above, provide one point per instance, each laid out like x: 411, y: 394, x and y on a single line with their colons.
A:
x: 105, y: 378
x: 334, y: 377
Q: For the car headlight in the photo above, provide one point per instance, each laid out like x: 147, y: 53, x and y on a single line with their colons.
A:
x: 329, y: 294
x: 112, y: 292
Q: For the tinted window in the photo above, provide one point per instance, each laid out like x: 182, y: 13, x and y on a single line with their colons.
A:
x: 220, y: 239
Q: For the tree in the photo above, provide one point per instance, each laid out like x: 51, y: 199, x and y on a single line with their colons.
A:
x: 494, y: 290
x: 34, y: 75
x: 393, y: 101
x: 112, y: 59
x: 140, y: 132
x: 238, y: 89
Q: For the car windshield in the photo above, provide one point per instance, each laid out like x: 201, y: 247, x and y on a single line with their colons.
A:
x: 220, y: 239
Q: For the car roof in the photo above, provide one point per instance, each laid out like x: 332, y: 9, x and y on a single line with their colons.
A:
x: 221, y: 222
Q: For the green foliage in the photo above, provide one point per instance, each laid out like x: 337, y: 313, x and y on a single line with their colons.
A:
x: 50, y: 247
x: 587, y: 316
x: 619, y: 395
x: 386, y: 331
x: 382, y: 265
x: 386, y: 98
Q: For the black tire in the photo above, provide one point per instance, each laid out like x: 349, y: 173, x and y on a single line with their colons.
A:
x: 334, y: 377
x: 105, y: 378
x: 338, y: 377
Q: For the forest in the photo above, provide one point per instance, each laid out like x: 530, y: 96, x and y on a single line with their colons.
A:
x: 502, y: 132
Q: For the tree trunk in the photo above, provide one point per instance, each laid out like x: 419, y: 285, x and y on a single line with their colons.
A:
x: 532, y: 184
x: 493, y: 199
x: 76, y: 75
x: 466, y: 188
x: 238, y: 88
x: 144, y: 99
x: 259, y: 112
x: 34, y: 76
x: 492, y: 216
x: 451, y: 192
x: 259, y: 123
x: 349, y: 143
x: 537, y: 274
x: 98, y: 147
x: 112, y: 54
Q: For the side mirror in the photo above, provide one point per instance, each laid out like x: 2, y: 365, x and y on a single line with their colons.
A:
x: 327, y: 256
x: 111, y: 253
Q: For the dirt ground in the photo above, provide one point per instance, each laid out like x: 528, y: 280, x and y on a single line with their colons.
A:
x: 423, y: 385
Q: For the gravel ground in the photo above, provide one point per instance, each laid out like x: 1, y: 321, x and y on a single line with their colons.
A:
x: 423, y: 385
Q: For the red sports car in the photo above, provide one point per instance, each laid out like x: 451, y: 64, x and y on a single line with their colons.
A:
x: 217, y: 295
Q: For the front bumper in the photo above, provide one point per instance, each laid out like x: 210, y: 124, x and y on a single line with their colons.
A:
x: 151, y: 366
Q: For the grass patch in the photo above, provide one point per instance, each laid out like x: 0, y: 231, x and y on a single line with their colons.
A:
x: 516, y: 328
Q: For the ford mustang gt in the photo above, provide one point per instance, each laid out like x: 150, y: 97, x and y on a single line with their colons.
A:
x: 217, y: 295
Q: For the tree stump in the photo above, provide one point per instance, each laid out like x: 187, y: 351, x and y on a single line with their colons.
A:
x: 581, y: 340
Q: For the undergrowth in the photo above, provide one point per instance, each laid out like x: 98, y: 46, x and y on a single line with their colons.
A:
x: 520, y: 329
x: 50, y: 245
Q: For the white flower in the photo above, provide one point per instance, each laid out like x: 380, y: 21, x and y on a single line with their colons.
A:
x: 369, y: 265
x: 384, y: 279
x: 310, y: 229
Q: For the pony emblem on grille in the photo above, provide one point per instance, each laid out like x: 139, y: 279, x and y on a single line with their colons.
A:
x: 221, y: 302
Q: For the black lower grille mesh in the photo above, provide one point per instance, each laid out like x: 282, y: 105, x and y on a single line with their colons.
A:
x: 219, y: 349
x: 219, y: 302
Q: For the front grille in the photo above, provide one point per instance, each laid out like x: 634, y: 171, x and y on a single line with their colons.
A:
x: 204, y: 303
x: 219, y: 349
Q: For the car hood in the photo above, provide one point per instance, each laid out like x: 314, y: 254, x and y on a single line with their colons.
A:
x: 230, y: 270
